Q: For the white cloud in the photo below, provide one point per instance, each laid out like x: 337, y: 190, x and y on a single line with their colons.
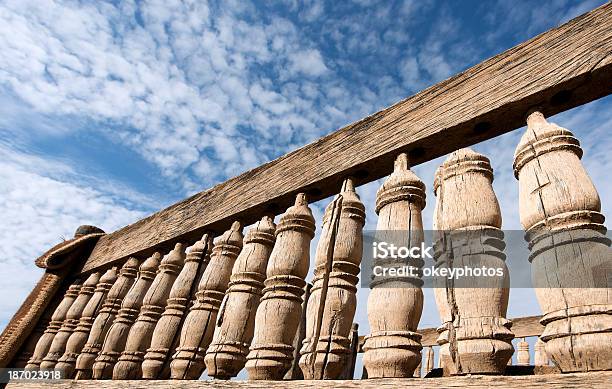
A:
x: 39, y: 208
x: 309, y: 62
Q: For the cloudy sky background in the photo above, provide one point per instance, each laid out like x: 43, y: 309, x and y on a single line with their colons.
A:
x: 110, y: 111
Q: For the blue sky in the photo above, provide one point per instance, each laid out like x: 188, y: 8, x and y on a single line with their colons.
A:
x: 110, y: 111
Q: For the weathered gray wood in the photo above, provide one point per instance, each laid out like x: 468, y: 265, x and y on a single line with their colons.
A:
x: 79, y: 336
x: 558, y: 70
x: 199, y: 326
x: 395, y: 304
x: 156, y: 364
x: 280, y: 308
x: 226, y: 355
x: 570, y: 256
x: 475, y: 336
x: 70, y: 323
x: 551, y: 381
x: 153, y: 305
x: 331, y: 307
x: 105, y: 318
x: 44, y: 343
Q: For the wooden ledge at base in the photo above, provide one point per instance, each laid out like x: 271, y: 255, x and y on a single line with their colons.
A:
x: 575, y: 380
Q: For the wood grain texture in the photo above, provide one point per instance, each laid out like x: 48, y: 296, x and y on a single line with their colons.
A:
x: 475, y: 336
x: 560, y: 211
x: 557, y: 70
x: 395, y: 304
x: 552, y: 381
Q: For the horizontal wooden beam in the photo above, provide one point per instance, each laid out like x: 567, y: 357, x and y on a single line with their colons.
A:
x: 555, y: 71
x: 597, y: 379
x: 522, y: 327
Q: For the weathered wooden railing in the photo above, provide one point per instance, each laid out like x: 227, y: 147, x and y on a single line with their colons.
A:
x: 238, y: 303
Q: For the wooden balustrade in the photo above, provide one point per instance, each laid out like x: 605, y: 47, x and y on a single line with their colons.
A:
x: 280, y: 308
x: 104, y: 319
x: 332, y: 302
x: 163, y: 341
x: 198, y: 329
x: 70, y: 322
x: 393, y: 348
x: 79, y: 337
x: 475, y: 335
x: 226, y: 355
x: 153, y: 305
x: 570, y: 257
x: 59, y: 315
x: 128, y: 327
x: 116, y: 337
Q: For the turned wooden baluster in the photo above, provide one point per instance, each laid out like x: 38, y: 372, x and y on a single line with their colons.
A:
x: 539, y: 355
x: 429, y: 361
x: 81, y: 332
x: 226, y: 355
x: 164, y: 339
x: 570, y: 257
x: 104, y: 320
x: 395, y: 304
x: 522, y: 353
x: 70, y: 323
x: 115, y: 339
x: 332, y: 345
x: 199, y: 326
x: 278, y: 315
x: 153, y: 305
x: 475, y: 336
x: 57, y: 319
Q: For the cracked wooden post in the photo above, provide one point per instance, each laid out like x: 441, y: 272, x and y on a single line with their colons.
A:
x: 226, y: 356
x: 199, y: 326
x: 57, y: 319
x: 280, y: 308
x: 326, y: 354
x: 129, y: 364
x: 81, y: 332
x: 70, y: 323
x: 571, y: 259
x: 156, y: 363
x: 522, y: 353
x: 317, y: 301
x: 104, y: 320
x: 395, y: 304
x: 115, y: 339
x: 475, y: 336
x: 540, y: 358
